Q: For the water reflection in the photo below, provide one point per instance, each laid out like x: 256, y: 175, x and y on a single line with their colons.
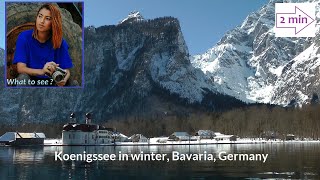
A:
x: 22, y: 155
x: 285, y: 161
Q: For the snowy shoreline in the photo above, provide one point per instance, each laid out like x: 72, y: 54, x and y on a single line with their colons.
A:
x: 157, y: 142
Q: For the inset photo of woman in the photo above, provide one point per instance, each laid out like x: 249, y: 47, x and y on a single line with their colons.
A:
x: 44, y: 44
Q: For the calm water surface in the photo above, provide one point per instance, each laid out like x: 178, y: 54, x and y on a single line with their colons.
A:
x: 285, y: 161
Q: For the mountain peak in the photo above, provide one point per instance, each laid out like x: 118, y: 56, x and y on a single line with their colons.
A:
x: 133, y: 16
x: 253, y: 65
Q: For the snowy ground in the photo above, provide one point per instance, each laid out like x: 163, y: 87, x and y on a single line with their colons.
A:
x: 162, y: 141
x: 52, y: 142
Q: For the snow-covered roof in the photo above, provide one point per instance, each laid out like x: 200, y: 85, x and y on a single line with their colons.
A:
x: 122, y: 135
x: 205, y: 133
x: 31, y: 135
x: 10, y: 136
x: 177, y: 134
x: 223, y: 136
x: 218, y: 134
x: 139, y: 136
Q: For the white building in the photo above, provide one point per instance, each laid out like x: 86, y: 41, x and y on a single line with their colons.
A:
x: 224, y: 137
x: 138, y: 138
x: 205, y: 134
x: 86, y: 134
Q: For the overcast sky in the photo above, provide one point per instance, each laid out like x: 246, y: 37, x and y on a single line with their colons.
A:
x: 203, y: 22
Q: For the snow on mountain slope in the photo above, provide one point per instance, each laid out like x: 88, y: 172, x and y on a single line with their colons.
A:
x: 253, y: 65
x: 183, y: 80
x: 300, y: 79
x: 133, y: 16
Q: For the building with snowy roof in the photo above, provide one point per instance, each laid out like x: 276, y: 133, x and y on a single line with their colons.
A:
x: 181, y: 136
x: 206, y: 134
x: 22, y: 139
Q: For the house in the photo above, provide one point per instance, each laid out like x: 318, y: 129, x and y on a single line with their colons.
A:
x: 289, y: 137
x: 138, y: 138
x: 224, y: 137
x: 181, y: 136
x: 205, y: 134
x: 270, y: 135
x: 22, y: 139
x: 119, y: 137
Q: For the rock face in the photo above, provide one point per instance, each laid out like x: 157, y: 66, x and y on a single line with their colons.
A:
x: 9, y: 104
x: 141, y: 67
x: 143, y: 55
x: 1, y: 57
x: 19, y: 14
x: 253, y: 65
x: 131, y: 63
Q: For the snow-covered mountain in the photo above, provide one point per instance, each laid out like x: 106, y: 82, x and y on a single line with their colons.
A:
x: 253, y: 65
x: 137, y: 68
x: 133, y: 16
x: 139, y: 60
x: 142, y: 67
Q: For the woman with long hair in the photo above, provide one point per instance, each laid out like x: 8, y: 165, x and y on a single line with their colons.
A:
x: 42, y: 51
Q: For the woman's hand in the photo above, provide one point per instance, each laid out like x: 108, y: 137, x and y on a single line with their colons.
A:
x: 49, y: 67
x: 64, y: 81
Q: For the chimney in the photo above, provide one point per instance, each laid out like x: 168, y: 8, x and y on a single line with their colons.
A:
x: 88, y: 118
x: 73, y: 118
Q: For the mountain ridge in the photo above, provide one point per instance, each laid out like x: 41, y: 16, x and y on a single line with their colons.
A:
x: 143, y: 68
x: 128, y: 68
x: 248, y: 62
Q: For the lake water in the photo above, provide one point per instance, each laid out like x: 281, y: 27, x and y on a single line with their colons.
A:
x: 285, y: 161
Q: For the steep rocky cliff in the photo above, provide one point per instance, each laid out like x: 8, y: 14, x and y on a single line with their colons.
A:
x: 138, y: 62
x: 253, y: 65
x: 142, y: 67
x: 139, y: 67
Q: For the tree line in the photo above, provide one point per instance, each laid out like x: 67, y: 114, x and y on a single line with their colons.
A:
x: 244, y: 122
